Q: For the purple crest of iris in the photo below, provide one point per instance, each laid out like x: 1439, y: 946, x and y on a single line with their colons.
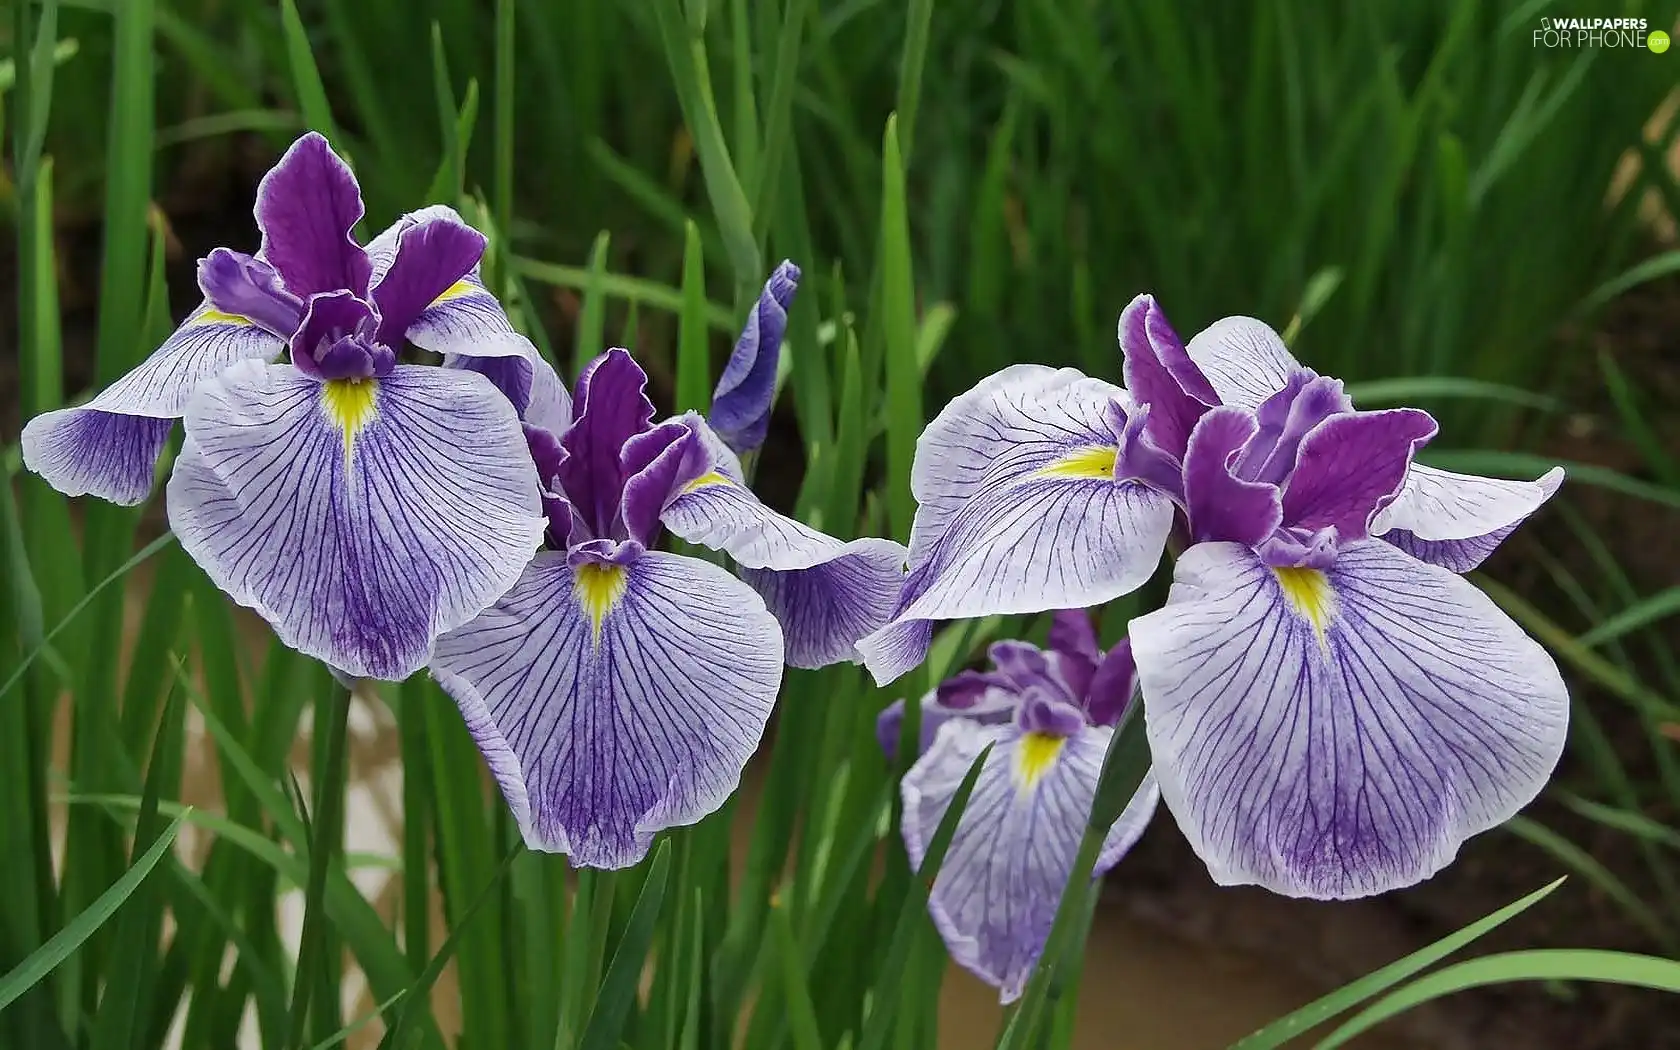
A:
x: 618, y: 690
x: 1331, y: 709
x: 1049, y: 716
x: 740, y: 413
x: 362, y: 506
x: 1038, y: 489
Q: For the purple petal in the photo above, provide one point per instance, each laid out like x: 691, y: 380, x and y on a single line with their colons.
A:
x: 1018, y: 509
x: 1339, y: 734
x: 614, y: 705
x: 741, y: 403
x: 1243, y: 359
x: 1221, y: 505
x: 1110, y: 691
x: 238, y: 284
x: 826, y: 608
x: 330, y: 320
x: 1042, y: 714
x: 1286, y: 418
x: 108, y: 447
x: 1071, y: 632
x: 548, y: 454
x: 360, y: 523
x: 307, y: 207
x: 650, y: 464
x: 1456, y: 520
x: 609, y: 406
x: 1160, y: 374
x: 431, y: 258
x: 970, y: 695
x: 997, y: 892
x: 1351, y: 466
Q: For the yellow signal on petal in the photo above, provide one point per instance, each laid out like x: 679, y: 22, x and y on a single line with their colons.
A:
x: 598, y: 588
x: 1092, y: 461
x: 349, y: 405
x: 460, y: 289
x: 215, y: 316
x: 1034, y: 757
x: 706, y: 480
x: 1308, y: 592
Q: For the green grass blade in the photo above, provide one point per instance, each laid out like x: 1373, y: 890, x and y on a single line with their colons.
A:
x: 592, y: 317
x: 1594, y: 871
x: 618, y: 988
x: 307, y: 88
x: 1350, y: 995
x: 332, y: 717
x: 45, y: 958
x: 904, y: 381
x: 888, y: 987
x: 918, y: 19
x: 618, y: 286
x: 1635, y: 617
x: 694, y: 372
x: 1557, y: 964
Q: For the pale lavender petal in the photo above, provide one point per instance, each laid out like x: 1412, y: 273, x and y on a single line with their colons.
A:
x: 1160, y: 374
x: 1222, y: 506
x: 1456, y: 555
x: 307, y: 207
x: 361, y: 523
x: 86, y: 452
x: 1000, y: 884
x: 1243, y: 359
x: 1340, y: 734
x: 108, y: 447
x: 1351, y: 466
x: 1019, y: 510
x: 826, y: 608
x: 1438, y: 504
x: 613, y: 708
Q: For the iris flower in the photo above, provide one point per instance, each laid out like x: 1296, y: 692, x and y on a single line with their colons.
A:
x: 618, y: 690
x: 1049, y: 716
x: 1331, y: 709
x: 741, y: 403
x: 1035, y: 490
x: 362, y: 506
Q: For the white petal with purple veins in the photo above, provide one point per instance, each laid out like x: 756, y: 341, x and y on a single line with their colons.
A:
x: 108, y: 447
x: 1019, y: 510
x: 360, y: 520
x: 1243, y: 359
x: 1001, y: 881
x: 1340, y: 734
x: 1436, y: 504
x: 612, y: 703
x: 826, y: 608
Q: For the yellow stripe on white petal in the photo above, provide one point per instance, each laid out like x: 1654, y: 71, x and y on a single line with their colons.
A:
x: 598, y: 589
x: 1308, y: 593
x: 350, y: 407
x: 459, y: 290
x: 706, y: 480
x: 1034, y: 756
x: 1090, y: 461
x: 211, y: 315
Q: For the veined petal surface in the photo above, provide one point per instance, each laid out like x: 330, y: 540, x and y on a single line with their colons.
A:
x: 999, y: 886
x: 1019, y: 510
x: 361, y: 523
x: 1338, y: 734
x: 614, y: 706
x: 1244, y: 360
x: 108, y: 447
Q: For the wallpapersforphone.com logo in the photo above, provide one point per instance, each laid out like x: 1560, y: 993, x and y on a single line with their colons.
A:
x: 1599, y: 32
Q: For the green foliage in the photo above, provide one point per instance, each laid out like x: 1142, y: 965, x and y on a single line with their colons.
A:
x: 1411, y: 189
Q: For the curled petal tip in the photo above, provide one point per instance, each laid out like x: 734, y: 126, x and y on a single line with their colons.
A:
x: 741, y: 403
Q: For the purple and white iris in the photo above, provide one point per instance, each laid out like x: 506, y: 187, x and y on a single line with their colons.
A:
x: 1331, y: 709
x: 617, y: 690
x: 362, y: 506
x: 741, y: 402
x: 1049, y: 716
x: 1035, y: 490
